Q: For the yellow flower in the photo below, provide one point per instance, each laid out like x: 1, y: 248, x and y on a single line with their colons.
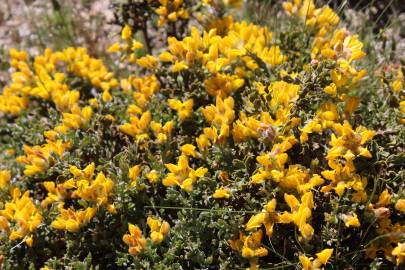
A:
x: 300, y: 213
x: 222, y: 84
x: 351, y: 220
x: 179, y: 66
x: 202, y: 142
x: 273, y: 164
x: 400, y: 205
x: 166, y: 57
x: 114, y: 48
x: 134, y: 239
x: 221, y: 193
x: 138, y: 126
x: 324, y: 255
x: 95, y: 190
x: 20, y: 217
x: 126, y: 33
x: 133, y: 174
x: 272, y: 56
x: 348, y: 145
x: 29, y: 241
x: 250, y: 247
x: 56, y: 193
x: 330, y: 89
x: 184, y: 109
x: 162, y: 132
x: 171, y: 10
x: 384, y: 198
x: 267, y: 217
x: 159, y: 229
x: 148, y: 62
x: 71, y: 220
x: 188, y: 150
x: 305, y: 262
x: 322, y: 259
x: 182, y: 175
x: 36, y: 158
x: 399, y: 253
x: 5, y: 177
x: 398, y: 84
x: 220, y: 114
x: 152, y: 176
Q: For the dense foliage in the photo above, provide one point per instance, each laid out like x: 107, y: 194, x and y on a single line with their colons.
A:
x: 209, y: 142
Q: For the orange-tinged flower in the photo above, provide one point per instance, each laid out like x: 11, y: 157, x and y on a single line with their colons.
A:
x: 134, y: 239
x: 400, y: 205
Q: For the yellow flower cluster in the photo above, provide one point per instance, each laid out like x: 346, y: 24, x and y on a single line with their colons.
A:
x: 220, y: 116
x: 344, y: 150
x: 322, y: 19
x: 159, y: 229
x: 20, y: 217
x: 282, y: 97
x: 134, y: 239
x: 134, y: 174
x: 331, y: 43
x: 129, y: 45
x: 217, y: 53
x: 138, y: 126
x: 162, y: 133
x: 263, y: 126
x: 182, y: 174
x: 171, y: 10
x: 70, y: 220
x: 346, y: 145
x: 300, y: 213
x: 183, y: 109
x: 321, y: 259
x: 392, y: 246
x: 325, y: 118
x: 45, y: 78
x: 221, y: 193
x: 82, y: 187
x: 250, y: 247
x: 143, y: 89
x: 38, y: 158
x: 227, y: 3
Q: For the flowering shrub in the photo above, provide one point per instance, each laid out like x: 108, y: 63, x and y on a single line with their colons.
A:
x: 225, y: 145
